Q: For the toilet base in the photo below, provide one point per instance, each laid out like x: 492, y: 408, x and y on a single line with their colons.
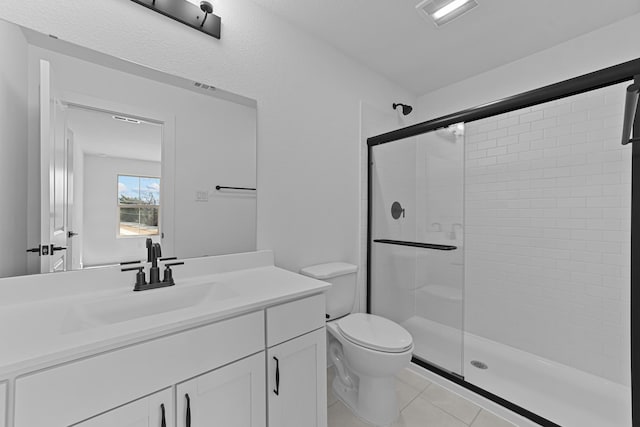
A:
x: 374, y: 400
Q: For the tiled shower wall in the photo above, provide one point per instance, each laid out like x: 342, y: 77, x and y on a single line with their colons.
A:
x: 547, y: 218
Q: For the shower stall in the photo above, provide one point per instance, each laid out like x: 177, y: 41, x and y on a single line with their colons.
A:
x: 500, y: 238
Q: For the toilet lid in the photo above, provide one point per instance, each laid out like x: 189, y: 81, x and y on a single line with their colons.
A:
x: 375, y: 332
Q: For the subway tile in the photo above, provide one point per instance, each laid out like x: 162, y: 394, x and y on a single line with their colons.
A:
x: 587, y: 126
x: 519, y: 147
x: 507, y: 140
x: 477, y: 154
x: 572, y: 139
x: 482, y: 126
x: 487, y: 161
x: 518, y: 129
x: 557, y: 110
x: 496, y: 134
x: 575, y: 117
x: 497, y: 151
x: 572, y: 160
x: 508, y: 122
x: 588, y: 103
x: 476, y: 138
x: 557, y: 131
x: 607, y: 111
x: 572, y: 202
x: 531, y: 136
x: 491, y: 143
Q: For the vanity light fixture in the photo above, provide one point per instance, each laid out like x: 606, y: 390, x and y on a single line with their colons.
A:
x: 197, y: 14
x: 443, y: 11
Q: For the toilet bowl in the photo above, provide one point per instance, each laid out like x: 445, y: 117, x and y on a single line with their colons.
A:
x: 366, y: 350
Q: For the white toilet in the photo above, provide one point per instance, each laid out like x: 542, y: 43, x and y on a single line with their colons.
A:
x: 366, y: 350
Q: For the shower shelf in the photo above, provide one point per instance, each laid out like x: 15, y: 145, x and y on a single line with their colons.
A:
x: 417, y: 244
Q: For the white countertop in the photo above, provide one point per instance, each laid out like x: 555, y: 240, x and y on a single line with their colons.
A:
x: 31, y: 336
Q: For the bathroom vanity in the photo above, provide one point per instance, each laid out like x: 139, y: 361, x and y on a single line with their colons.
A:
x: 236, y: 342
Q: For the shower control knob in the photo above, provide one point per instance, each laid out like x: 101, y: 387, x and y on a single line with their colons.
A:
x: 397, y: 210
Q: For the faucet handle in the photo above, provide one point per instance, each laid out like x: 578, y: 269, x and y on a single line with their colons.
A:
x: 140, y: 277
x: 168, y: 274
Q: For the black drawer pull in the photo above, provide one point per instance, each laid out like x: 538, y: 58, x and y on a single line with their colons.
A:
x: 277, y: 389
x: 188, y: 416
x: 163, y: 422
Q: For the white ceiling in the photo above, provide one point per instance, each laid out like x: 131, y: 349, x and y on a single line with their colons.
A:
x: 97, y: 133
x: 391, y: 38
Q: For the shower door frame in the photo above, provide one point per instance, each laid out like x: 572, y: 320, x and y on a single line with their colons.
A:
x: 627, y: 71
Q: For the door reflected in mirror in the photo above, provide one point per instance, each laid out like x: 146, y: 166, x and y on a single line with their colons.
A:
x: 104, y: 153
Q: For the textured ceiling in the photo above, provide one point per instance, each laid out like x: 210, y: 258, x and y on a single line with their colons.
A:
x: 390, y: 37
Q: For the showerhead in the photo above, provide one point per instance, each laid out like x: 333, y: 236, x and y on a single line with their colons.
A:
x: 406, y: 109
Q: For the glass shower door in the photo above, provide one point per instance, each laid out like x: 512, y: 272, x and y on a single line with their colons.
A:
x: 417, y: 263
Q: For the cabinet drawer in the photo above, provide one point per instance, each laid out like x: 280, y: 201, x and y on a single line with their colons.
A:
x: 76, y: 391
x: 295, y: 318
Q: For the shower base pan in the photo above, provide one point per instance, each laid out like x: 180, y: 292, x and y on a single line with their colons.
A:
x: 561, y: 394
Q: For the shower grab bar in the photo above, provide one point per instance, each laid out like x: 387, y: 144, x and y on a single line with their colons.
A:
x: 630, y: 108
x: 417, y: 244
x: 220, y: 187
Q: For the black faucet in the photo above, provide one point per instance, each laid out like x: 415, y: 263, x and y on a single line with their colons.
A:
x: 149, y: 244
x: 154, y: 253
x: 154, y: 271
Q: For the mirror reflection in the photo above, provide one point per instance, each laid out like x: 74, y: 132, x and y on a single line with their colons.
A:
x: 100, y: 154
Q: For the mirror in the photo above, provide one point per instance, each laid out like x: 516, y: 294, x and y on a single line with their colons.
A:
x: 101, y: 154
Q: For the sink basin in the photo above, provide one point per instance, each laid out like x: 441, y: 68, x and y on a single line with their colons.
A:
x: 136, y: 305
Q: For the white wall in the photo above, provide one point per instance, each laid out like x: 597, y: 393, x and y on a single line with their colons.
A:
x: 308, y: 101
x: 100, y: 242
x: 13, y: 141
x: 215, y: 145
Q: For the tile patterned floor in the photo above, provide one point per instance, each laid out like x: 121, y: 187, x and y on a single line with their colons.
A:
x: 422, y: 404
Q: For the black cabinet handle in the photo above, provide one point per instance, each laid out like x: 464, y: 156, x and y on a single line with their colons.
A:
x: 188, y: 416
x: 57, y: 248
x: 163, y: 422
x: 277, y: 389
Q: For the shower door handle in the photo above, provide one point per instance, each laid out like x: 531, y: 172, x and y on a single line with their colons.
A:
x: 630, y: 109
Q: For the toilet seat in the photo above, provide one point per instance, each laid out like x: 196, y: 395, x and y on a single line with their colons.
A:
x: 375, y: 333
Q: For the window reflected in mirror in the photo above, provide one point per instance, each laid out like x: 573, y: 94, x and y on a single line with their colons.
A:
x: 138, y: 206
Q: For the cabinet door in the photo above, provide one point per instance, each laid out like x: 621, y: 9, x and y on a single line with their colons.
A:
x: 232, y: 396
x: 155, y: 410
x: 297, y: 382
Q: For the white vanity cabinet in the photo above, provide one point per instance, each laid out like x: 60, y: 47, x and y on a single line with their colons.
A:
x: 76, y: 391
x: 155, y: 410
x: 296, y: 361
x: 229, y: 396
x: 210, y: 374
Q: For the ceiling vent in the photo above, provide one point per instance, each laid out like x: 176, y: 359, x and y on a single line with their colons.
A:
x: 127, y: 119
x: 443, y: 11
x: 204, y: 86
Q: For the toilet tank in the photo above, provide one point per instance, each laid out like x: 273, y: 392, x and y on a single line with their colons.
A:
x: 341, y: 295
